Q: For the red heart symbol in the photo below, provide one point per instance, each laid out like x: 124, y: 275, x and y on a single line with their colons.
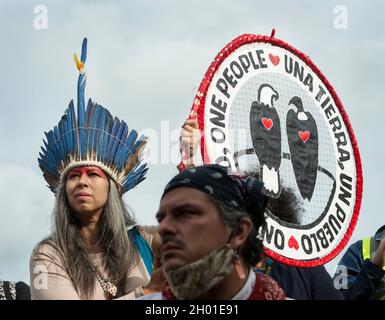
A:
x: 274, y: 59
x: 267, y: 123
x: 304, y: 135
x: 293, y: 243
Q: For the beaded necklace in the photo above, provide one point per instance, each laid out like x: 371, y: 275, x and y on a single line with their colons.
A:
x: 109, y: 286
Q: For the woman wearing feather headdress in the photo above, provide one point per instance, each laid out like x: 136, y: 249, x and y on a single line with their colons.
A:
x: 95, y: 250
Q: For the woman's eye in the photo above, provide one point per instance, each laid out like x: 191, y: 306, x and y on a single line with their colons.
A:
x: 73, y: 176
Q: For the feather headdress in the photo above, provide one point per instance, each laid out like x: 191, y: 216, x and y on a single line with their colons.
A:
x: 92, y: 137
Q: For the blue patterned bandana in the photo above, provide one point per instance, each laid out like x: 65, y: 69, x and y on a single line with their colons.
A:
x: 240, y: 192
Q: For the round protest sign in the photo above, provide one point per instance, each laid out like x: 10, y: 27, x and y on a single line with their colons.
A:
x: 263, y: 106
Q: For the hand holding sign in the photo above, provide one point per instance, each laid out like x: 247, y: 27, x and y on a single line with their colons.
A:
x: 189, y: 140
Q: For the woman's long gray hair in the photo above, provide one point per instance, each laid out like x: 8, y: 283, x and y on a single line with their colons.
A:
x: 119, y: 256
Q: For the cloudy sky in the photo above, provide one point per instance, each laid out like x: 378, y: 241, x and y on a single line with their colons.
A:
x: 145, y: 62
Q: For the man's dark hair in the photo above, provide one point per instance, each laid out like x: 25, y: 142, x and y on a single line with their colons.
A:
x: 252, y: 249
x: 286, y: 207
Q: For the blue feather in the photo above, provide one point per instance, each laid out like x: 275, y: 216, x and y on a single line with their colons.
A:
x: 84, y: 51
x: 63, y: 134
x: 117, y: 142
x: 131, y: 138
x: 57, y: 141
x: 120, y: 158
x: 108, y: 129
x: 111, y: 140
x: 102, y: 134
x: 95, y: 124
x: 99, y: 123
x: 69, y: 128
x: 135, y: 177
x: 81, y: 102
x: 81, y: 108
x: 73, y: 126
x: 88, y: 125
x: 51, y: 146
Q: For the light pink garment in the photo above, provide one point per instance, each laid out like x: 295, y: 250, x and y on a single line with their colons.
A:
x: 50, y: 281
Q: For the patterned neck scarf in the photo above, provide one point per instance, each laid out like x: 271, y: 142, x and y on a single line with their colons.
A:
x: 264, y: 288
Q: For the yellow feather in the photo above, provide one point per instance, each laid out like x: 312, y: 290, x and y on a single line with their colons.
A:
x: 78, y: 63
